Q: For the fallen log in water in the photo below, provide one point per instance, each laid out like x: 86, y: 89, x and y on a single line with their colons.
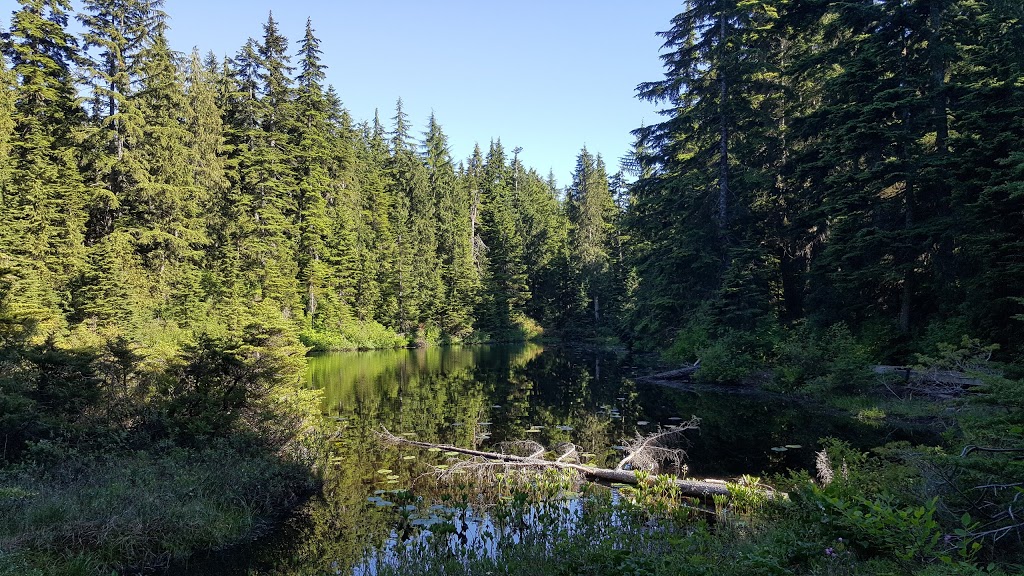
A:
x: 947, y: 377
x: 672, y: 375
x: 699, y: 488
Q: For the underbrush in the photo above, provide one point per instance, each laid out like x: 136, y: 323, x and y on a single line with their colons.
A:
x: 140, y: 509
x: 353, y: 336
x: 120, y: 456
x: 522, y: 329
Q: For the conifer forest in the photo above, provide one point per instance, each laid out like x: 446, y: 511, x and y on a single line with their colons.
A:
x: 830, y: 207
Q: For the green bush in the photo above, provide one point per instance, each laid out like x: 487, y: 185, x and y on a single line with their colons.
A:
x: 353, y: 336
x: 809, y: 359
x: 691, y: 339
x: 731, y: 357
x: 222, y: 381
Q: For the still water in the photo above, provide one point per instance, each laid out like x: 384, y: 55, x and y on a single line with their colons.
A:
x: 482, y: 395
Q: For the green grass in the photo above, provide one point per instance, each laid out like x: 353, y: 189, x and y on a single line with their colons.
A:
x: 96, y: 514
x: 888, y: 406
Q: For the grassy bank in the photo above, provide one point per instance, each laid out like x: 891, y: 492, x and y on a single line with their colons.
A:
x: 120, y: 457
x: 100, y: 512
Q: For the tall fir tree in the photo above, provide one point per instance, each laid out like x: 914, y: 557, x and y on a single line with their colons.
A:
x: 42, y: 199
x: 414, y: 222
x: 378, y: 285
x: 697, y: 218
x: 454, y: 236
x: 169, y: 203
x: 261, y: 115
x: 313, y: 156
x: 505, y: 280
x: 591, y: 213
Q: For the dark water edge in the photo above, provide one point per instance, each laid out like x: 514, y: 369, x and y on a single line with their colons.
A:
x: 481, y: 395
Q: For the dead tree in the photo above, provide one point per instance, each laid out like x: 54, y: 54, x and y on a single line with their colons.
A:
x: 647, y: 453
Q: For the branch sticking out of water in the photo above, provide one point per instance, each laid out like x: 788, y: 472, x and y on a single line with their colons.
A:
x: 653, y: 452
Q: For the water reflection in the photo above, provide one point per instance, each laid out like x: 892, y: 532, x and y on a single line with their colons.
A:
x: 480, y: 396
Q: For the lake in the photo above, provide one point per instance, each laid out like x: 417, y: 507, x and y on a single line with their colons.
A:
x: 481, y: 395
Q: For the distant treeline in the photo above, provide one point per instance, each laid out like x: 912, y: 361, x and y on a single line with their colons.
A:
x: 183, y: 190
x: 819, y: 164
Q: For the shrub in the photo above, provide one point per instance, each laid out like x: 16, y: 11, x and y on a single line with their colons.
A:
x: 825, y: 360
x: 223, y: 380
x: 353, y: 336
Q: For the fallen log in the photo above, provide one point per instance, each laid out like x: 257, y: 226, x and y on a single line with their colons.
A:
x: 699, y: 488
x: 946, y: 377
x: 673, y: 375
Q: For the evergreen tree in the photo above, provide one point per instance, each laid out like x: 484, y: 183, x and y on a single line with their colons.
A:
x: 505, y: 281
x: 699, y: 218
x: 454, y: 236
x: 42, y: 198
x: 206, y: 145
x: 546, y: 256
x: 867, y: 157
x: 591, y: 212
x: 264, y: 198
x: 7, y: 99
x: 168, y: 204
x: 379, y: 281
x: 414, y: 220
x: 120, y: 30
x: 314, y: 183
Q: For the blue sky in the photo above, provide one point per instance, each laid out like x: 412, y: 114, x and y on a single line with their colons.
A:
x: 549, y: 76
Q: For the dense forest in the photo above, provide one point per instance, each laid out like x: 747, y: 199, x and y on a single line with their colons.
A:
x: 187, y: 190
x: 831, y: 185
x: 816, y: 164
x: 827, y: 163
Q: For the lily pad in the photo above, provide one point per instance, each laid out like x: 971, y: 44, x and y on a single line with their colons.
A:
x: 384, y: 471
x: 433, y: 449
x: 793, y: 446
x: 779, y: 448
x: 566, y: 428
x: 451, y: 453
x: 408, y: 457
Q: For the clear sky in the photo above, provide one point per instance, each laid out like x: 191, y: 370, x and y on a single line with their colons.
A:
x: 546, y: 75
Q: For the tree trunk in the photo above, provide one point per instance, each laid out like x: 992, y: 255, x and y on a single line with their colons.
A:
x: 723, y: 142
x: 700, y: 488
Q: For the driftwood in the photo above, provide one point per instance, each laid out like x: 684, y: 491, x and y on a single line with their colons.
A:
x: 939, y: 383
x: 638, y: 454
x: 673, y: 375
